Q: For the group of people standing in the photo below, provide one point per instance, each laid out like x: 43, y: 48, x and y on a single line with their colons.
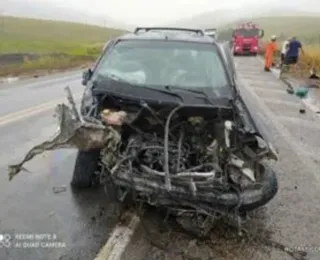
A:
x: 289, y: 52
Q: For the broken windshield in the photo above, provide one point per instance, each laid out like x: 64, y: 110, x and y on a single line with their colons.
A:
x: 164, y: 63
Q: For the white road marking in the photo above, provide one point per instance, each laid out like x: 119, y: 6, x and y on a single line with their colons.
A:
x: 300, y: 122
x: 44, y: 80
x: 282, y: 102
x: 119, y: 239
x: 31, y: 111
x: 280, y: 91
x: 313, y: 105
x: 275, y: 95
x: 269, y: 85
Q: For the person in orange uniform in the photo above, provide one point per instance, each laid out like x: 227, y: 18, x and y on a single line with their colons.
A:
x: 271, y: 48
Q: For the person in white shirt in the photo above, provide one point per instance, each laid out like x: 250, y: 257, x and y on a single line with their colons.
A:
x: 284, y: 50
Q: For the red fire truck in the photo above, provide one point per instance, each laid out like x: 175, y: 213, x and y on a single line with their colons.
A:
x: 246, y: 39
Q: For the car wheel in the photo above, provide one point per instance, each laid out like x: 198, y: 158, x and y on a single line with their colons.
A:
x: 86, y: 166
x: 270, y: 189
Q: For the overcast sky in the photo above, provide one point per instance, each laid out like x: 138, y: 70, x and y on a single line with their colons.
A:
x: 147, y: 11
x: 150, y: 12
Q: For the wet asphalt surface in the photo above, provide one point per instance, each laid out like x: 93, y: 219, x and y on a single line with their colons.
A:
x: 83, y: 221
x: 43, y: 224
x: 291, y: 219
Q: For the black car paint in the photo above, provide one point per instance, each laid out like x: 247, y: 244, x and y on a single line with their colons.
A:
x: 244, y: 107
x: 245, y: 104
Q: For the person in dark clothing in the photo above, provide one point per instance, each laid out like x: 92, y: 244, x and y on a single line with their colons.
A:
x: 292, y: 54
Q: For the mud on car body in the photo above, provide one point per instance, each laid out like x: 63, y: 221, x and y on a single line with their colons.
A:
x: 162, y: 116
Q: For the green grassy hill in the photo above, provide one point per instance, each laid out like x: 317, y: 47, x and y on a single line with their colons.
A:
x: 36, y: 46
x: 305, y: 27
x: 46, y: 36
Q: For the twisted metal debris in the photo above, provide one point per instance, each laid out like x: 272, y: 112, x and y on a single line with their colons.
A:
x: 73, y: 132
x: 190, y: 165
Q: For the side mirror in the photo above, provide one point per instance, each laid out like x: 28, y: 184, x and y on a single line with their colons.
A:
x: 86, y: 76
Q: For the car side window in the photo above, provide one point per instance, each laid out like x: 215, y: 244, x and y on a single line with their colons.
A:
x: 103, y: 55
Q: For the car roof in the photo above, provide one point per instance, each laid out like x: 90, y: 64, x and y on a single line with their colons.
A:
x: 169, y: 34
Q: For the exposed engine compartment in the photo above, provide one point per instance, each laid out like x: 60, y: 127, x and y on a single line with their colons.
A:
x: 187, y: 158
x: 190, y: 159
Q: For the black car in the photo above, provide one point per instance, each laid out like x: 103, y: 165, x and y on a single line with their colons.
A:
x: 174, y: 129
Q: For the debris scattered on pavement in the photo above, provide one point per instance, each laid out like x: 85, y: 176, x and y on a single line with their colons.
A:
x: 313, y: 74
x: 223, y: 235
x: 59, y: 189
x: 290, y: 90
x: 302, y: 111
x: 302, y: 92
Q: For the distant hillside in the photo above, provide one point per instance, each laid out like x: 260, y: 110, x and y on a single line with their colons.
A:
x: 203, y: 20
x: 45, y: 10
x: 222, y: 17
x: 33, y: 35
x: 304, y: 27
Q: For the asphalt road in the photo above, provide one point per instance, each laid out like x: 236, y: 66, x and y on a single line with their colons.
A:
x: 78, y: 224
x: 82, y: 222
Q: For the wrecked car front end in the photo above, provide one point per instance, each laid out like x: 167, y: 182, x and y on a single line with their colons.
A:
x: 198, y: 159
x: 190, y: 159
x: 171, y: 139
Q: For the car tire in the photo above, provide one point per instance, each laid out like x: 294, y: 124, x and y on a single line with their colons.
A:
x: 270, y: 189
x: 86, y: 166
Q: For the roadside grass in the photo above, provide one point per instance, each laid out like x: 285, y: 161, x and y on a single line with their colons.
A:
x: 46, y: 36
x: 44, y: 65
x: 61, y: 45
x: 301, y: 26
